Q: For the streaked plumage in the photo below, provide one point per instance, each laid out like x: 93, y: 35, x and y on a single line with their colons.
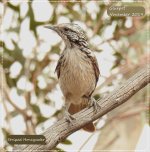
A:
x: 77, y: 69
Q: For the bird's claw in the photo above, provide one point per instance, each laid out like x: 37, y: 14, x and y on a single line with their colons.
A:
x: 68, y: 117
x: 94, y: 103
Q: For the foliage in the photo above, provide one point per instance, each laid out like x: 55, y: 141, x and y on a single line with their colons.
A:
x: 127, y: 47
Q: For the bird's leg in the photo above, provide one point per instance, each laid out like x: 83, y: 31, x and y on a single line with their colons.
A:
x: 68, y: 116
x: 94, y: 103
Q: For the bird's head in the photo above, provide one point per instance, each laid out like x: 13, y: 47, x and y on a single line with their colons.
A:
x: 72, y: 34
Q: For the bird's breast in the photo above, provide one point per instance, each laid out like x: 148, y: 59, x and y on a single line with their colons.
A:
x: 77, y: 76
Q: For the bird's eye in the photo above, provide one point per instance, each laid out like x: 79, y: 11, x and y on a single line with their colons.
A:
x: 66, y: 29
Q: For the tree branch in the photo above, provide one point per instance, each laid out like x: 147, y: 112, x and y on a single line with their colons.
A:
x: 62, y: 129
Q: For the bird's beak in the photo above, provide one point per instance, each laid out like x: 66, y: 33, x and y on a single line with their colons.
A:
x: 52, y: 27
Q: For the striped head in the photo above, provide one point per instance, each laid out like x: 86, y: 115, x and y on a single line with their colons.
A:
x: 72, y: 34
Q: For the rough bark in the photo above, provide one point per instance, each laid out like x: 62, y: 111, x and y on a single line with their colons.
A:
x: 60, y: 130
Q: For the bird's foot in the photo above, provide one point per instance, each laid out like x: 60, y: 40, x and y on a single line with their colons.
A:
x: 94, y: 103
x: 68, y: 117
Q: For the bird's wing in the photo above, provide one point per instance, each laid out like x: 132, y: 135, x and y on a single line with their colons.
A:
x: 94, y: 62
x: 60, y: 62
x: 95, y: 65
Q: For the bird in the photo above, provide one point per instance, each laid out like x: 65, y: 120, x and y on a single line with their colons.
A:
x: 77, y: 70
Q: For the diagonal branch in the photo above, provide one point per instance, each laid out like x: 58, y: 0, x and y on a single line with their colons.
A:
x: 62, y: 129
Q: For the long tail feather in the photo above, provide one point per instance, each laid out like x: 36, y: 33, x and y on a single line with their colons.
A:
x: 76, y: 108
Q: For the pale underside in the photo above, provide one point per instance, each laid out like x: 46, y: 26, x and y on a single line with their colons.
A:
x: 77, y: 79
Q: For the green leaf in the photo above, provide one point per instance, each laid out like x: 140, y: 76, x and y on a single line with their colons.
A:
x: 118, y: 55
x: 57, y: 113
x: 41, y: 119
x: 117, y: 63
x: 36, y: 108
x: 10, y: 82
x: 59, y: 149
x: 1, y: 43
x: 47, y: 101
x: 96, y: 97
x: 18, y: 53
x: 32, y: 20
x: 15, y: 8
x: 13, y: 55
x: 14, y: 29
x: 66, y: 142
x: 53, y: 19
x: 55, y: 49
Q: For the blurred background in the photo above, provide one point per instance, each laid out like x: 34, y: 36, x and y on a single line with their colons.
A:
x: 31, y: 100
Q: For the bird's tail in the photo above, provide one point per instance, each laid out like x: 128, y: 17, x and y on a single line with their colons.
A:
x: 76, y: 108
